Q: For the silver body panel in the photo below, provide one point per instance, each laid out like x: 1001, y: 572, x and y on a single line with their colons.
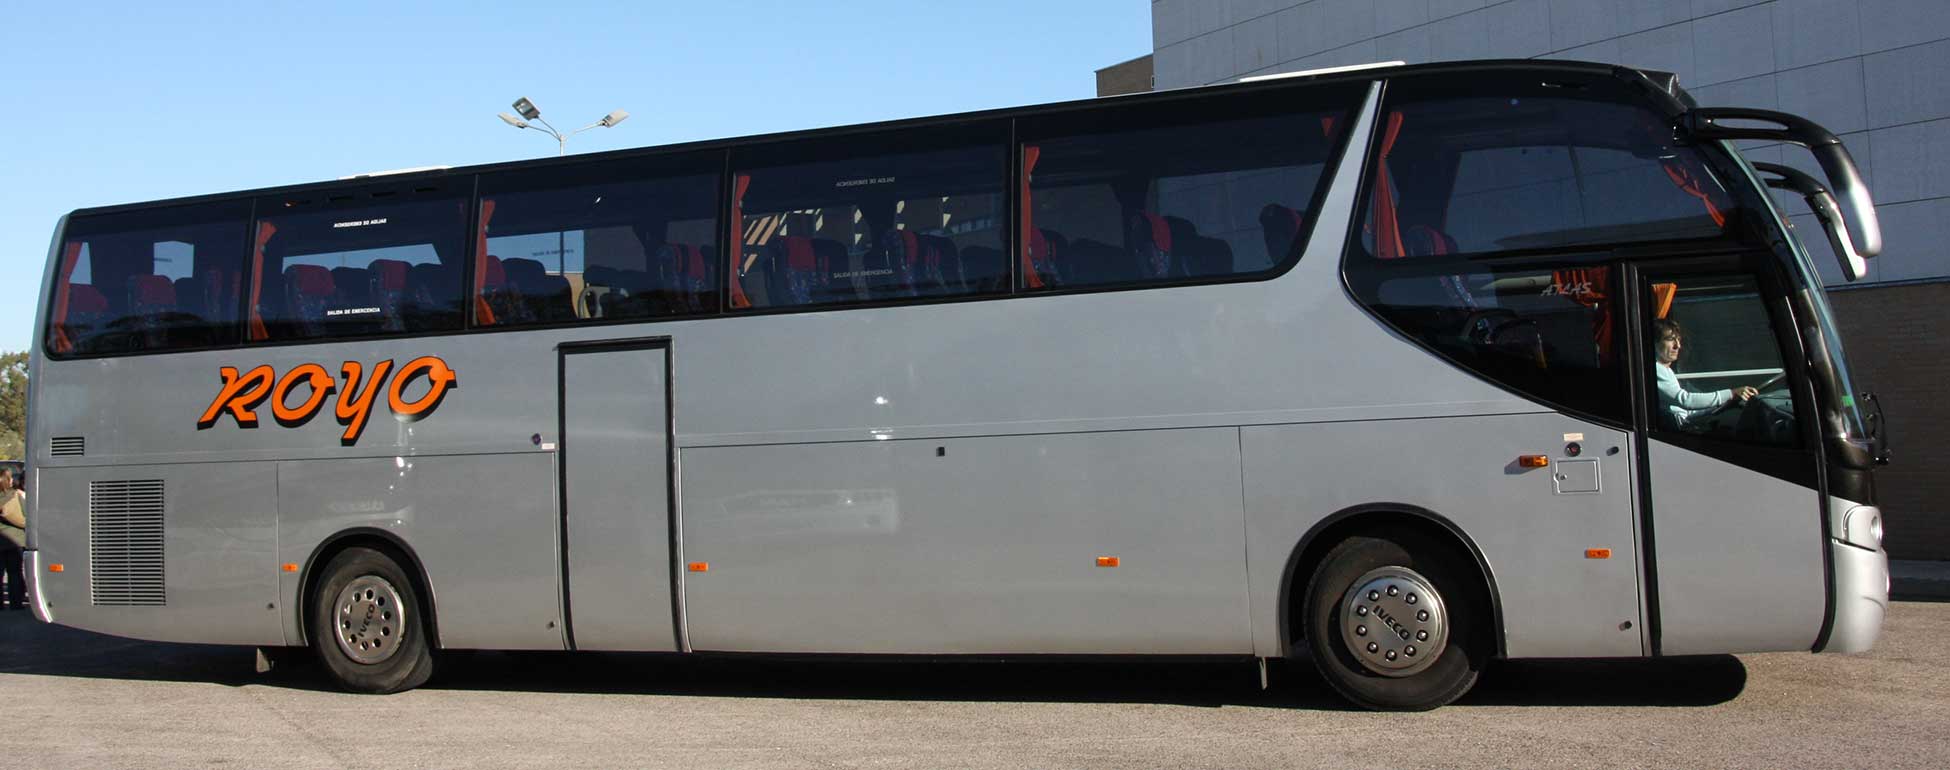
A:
x: 1556, y: 602
x: 484, y: 528
x: 1739, y: 556
x: 970, y: 545
x: 220, y: 575
x: 615, y: 457
x: 1861, y: 597
x: 931, y: 478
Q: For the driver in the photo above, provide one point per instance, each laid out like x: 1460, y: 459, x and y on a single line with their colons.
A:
x: 1681, y: 405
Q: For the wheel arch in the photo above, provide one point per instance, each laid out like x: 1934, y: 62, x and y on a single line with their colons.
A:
x: 381, y: 540
x: 1376, y: 517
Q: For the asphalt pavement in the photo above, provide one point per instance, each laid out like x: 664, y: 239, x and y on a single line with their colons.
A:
x: 75, y: 699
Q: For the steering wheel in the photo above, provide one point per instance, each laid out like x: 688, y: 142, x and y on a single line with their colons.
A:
x: 1771, y: 382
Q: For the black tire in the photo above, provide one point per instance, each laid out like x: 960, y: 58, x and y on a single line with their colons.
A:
x: 391, y: 626
x: 1463, y: 600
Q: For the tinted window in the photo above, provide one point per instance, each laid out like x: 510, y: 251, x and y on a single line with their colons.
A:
x: 909, y: 225
x: 1184, y: 202
x: 1543, y: 332
x: 617, y: 249
x: 156, y: 280
x: 362, y: 267
x: 1717, y: 366
x: 1536, y: 166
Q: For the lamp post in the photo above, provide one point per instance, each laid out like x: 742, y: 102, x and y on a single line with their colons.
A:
x: 529, y: 112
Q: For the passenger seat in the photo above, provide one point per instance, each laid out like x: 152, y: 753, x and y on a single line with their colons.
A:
x: 309, y: 291
x: 548, y: 297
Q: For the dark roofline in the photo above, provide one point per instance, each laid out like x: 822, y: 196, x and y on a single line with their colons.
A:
x: 1145, y: 98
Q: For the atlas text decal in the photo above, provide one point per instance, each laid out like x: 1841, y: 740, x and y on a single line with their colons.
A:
x: 302, y: 392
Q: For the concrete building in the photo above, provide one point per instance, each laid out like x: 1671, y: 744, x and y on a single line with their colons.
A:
x: 1877, y: 72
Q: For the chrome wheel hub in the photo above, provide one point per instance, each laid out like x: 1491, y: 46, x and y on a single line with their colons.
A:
x: 1394, y: 622
x: 369, y: 620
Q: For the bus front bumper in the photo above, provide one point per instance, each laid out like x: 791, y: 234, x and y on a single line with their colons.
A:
x: 1861, y: 597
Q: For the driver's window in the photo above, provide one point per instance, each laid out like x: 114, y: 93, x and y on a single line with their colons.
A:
x: 1716, y: 362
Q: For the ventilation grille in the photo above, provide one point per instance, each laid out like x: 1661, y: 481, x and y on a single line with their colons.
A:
x: 125, y: 543
x: 70, y: 446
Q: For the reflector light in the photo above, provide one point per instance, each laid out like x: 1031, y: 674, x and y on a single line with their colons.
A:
x: 700, y: 566
x: 1597, y: 553
x: 1107, y: 561
x: 1533, y: 461
x: 291, y: 568
x: 57, y: 568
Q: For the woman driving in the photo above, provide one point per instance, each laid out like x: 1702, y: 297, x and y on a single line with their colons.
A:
x: 1681, y: 405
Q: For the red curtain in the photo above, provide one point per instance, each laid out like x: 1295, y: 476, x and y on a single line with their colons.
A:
x: 483, y: 314
x: 1030, y: 280
x: 264, y: 232
x: 737, y: 241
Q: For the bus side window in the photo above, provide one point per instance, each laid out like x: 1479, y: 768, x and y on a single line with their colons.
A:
x: 1717, y: 366
x: 148, y: 281
x: 1113, y: 205
x: 607, y: 244
x: 374, y: 265
x: 869, y: 228
x: 1547, y: 334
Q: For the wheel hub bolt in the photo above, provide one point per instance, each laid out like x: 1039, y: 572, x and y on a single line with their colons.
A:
x: 1422, y: 615
x: 1372, y: 646
x: 1360, y: 630
x: 1392, y: 591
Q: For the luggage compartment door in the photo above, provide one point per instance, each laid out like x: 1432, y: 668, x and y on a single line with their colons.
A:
x: 618, y: 542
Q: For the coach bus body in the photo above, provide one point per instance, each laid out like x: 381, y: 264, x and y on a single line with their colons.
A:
x: 1181, y: 373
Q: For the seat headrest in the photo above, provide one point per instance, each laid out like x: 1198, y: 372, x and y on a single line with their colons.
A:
x: 522, y: 271
x: 388, y: 274
x: 152, y: 290
x: 85, y: 298
x: 309, y: 280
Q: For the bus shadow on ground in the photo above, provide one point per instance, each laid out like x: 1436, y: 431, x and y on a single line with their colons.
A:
x: 36, y: 649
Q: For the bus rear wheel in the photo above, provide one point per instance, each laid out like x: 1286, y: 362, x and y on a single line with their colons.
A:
x: 366, y: 624
x: 1395, y: 624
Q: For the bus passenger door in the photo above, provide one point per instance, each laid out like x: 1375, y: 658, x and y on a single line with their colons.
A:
x: 1736, y: 562
x: 615, y: 465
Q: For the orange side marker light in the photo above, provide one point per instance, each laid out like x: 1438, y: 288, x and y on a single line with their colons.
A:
x: 1597, y: 553
x: 1107, y: 561
x: 700, y: 566
x: 290, y: 568
x: 1533, y: 461
x: 57, y: 568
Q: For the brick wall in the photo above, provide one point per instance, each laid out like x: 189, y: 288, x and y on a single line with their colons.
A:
x: 1898, y: 342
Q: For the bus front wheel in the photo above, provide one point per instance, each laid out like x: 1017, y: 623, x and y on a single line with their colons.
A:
x: 366, y: 624
x: 1394, y: 623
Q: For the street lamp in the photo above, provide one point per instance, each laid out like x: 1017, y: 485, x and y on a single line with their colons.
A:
x: 528, y: 112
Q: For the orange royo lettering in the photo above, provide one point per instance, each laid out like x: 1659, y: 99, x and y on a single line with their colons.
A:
x: 440, y: 379
x: 240, y: 396
x: 308, y: 374
x: 355, y: 406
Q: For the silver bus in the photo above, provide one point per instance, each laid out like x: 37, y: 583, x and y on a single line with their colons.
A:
x: 1401, y: 370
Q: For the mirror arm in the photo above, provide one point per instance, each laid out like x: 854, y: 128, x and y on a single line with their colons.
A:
x: 1854, y: 266
x: 1844, y: 178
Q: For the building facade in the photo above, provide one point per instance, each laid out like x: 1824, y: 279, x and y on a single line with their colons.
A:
x: 1876, y: 72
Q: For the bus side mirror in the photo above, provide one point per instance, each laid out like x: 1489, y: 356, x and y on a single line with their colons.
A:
x: 1843, y: 177
x: 1878, y: 427
x: 1855, y: 266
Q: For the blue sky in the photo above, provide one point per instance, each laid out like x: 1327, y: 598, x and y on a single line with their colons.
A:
x: 110, y: 104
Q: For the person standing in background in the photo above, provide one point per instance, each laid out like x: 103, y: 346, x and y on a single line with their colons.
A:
x: 13, y: 538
